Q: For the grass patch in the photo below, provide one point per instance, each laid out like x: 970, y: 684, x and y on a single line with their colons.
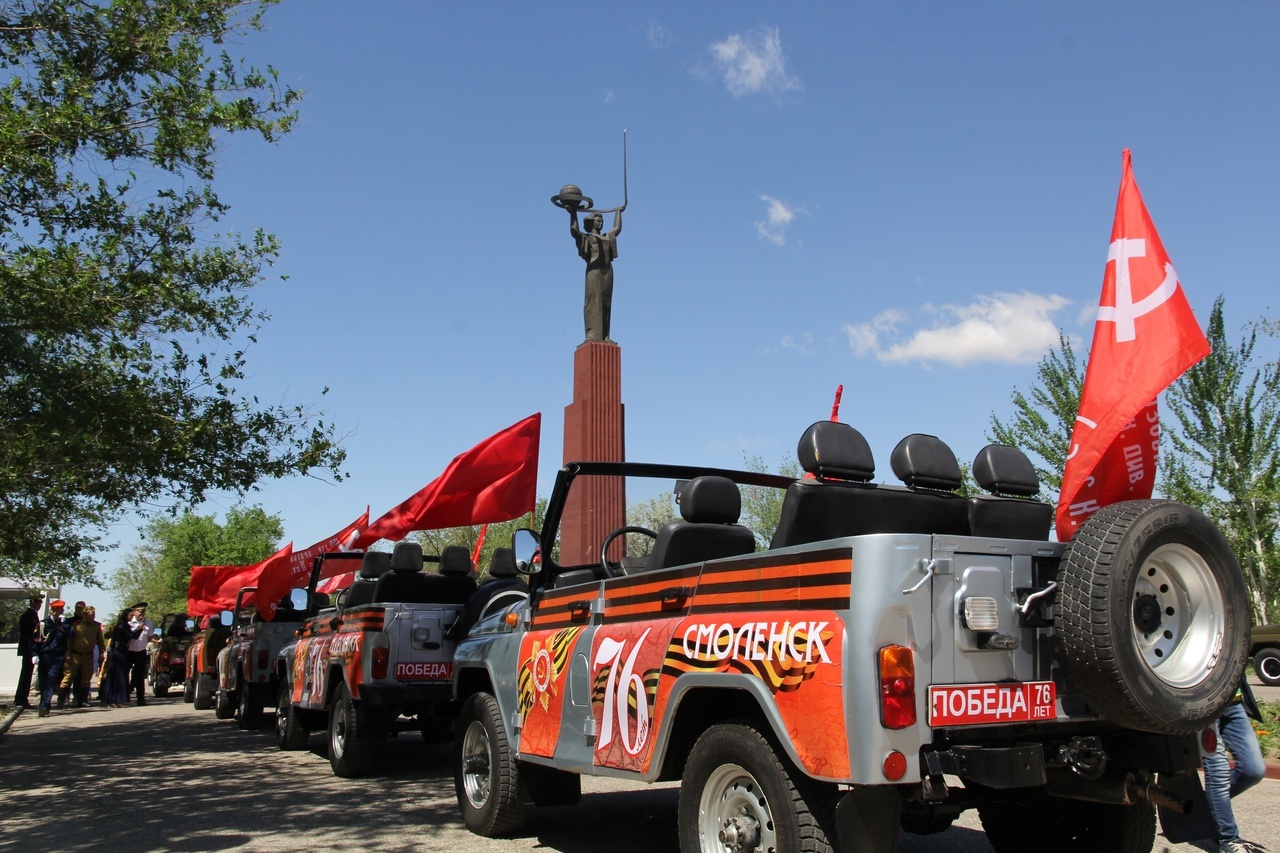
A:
x: 1268, y: 730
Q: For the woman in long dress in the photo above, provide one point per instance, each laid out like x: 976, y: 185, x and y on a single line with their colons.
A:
x: 115, y: 683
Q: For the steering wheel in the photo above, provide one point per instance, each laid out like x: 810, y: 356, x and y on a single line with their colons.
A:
x: 611, y: 569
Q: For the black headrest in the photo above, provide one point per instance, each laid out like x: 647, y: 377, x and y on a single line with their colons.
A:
x: 455, y: 560
x: 407, y: 556
x: 925, y: 462
x: 1004, y: 470
x: 710, y: 500
x: 320, y: 600
x: 503, y: 564
x: 836, y: 451
x: 374, y: 564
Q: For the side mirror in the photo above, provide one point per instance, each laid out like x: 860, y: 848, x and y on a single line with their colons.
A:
x: 191, y: 624
x: 528, y: 551
x: 226, y: 617
x: 298, y: 599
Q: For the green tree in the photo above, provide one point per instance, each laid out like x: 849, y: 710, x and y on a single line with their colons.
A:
x: 1225, y: 455
x: 124, y: 315
x: 159, y: 570
x: 1042, y: 420
x: 761, y: 505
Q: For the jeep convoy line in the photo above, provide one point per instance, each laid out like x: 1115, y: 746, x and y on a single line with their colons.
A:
x: 382, y: 659
x: 247, y: 664
x: 822, y: 692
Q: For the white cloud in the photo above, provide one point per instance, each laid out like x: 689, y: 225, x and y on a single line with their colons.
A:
x: 778, y: 216
x: 753, y: 63
x: 1011, y: 328
x: 659, y: 38
x: 609, y: 96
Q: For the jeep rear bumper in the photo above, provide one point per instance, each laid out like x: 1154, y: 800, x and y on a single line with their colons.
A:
x: 406, y: 695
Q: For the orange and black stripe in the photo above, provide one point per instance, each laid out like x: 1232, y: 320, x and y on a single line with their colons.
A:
x: 780, y: 672
x: 356, y: 619
x: 823, y: 581
x: 564, y: 608
x: 655, y: 595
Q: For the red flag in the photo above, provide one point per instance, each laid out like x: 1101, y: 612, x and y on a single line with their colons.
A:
x: 336, y: 581
x: 276, y: 581
x: 1144, y: 339
x: 493, y: 481
x: 213, y: 589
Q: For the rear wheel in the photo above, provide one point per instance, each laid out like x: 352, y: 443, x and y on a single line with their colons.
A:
x: 1267, y: 665
x: 1055, y: 825
x: 160, y: 686
x: 189, y: 690
x: 739, y: 793
x: 1153, y: 616
x: 486, y: 775
x: 205, y: 691
x: 290, y: 735
x: 351, y: 750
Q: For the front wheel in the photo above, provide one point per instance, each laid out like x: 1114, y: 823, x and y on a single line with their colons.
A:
x: 485, y: 772
x: 739, y: 793
x: 351, y: 750
x: 160, y: 686
x: 1267, y: 664
x: 1076, y: 826
x: 249, y: 708
x: 290, y: 735
x: 206, y: 687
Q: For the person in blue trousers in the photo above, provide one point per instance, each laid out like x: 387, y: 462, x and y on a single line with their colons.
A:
x: 53, y: 654
x: 1222, y: 781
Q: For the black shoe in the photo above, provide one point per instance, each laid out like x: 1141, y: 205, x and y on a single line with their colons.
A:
x: 26, y: 705
x: 79, y: 704
x: 141, y: 702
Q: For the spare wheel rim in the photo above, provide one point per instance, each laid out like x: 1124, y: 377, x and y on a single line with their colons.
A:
x: 1178, y: 612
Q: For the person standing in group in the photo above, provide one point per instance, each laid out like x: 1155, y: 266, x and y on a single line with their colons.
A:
x: 53, y: 654
x: 28, y: 649
x: 138, y: 652
x: 114, y: 681
x: 1223, y: 779
x: 85, y: 635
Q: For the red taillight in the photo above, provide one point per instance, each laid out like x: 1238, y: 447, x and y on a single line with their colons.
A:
x: 263, y: 660
x: 1209, y: 740
x: 894, y: 766
x: 897, y: 687
x: 380, y: 656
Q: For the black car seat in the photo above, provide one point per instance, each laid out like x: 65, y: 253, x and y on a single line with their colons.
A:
x: 708, y: 528
x: 1010, y: 511
x: 372, y: 567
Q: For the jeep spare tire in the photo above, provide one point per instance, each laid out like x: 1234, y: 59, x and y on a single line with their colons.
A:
x: 1152, y: 616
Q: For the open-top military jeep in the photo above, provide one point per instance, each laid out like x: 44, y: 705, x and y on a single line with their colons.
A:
x: 381, y: 661
x: 168, y: 665
x: 247, y: 665
x: 826, y: 691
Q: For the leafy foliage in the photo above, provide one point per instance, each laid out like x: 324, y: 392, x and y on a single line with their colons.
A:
x: 159, y: 570
x: 1042, y: 420
x: 1226, y: 454
x: 761, y: 505
x: 123, y: 316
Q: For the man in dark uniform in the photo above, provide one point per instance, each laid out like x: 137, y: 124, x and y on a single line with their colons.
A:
x: 28, y: 648
x: 53, y: 654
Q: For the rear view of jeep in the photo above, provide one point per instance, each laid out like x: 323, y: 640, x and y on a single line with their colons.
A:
x: 826, y: 688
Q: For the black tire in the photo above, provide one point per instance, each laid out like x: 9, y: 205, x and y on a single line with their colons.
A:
x: 249, y: 708
x: 290, y: 734
x: 1055, y: 825
x: 206, y: 691
x: 1267, y: 664
x: 737, y: 781
x: 1152, y: 616
x: 351, y: 750
x: 224, y: 706
x: 486, y: 775
x: 160, y: 687
x: 189, y: 690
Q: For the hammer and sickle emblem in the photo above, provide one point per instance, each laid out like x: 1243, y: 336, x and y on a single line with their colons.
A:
x: 1126, y: 310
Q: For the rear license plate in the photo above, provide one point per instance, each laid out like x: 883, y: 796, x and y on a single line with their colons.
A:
x: 434, y: 671
x: 983, y: 704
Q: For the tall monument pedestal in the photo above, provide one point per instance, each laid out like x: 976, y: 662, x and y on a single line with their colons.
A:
x: 593, y: 432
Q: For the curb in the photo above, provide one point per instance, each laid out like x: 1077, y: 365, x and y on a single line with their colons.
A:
x: 1273, y: 770
x: 17, y: 712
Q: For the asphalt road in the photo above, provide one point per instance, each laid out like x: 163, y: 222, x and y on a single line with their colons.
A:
x: 168, y: 777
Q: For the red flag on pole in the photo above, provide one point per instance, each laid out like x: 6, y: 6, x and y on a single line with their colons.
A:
x: 276, y: 581
x: 494, y: 481
x: 1145, y: 337
x: 213, y: 589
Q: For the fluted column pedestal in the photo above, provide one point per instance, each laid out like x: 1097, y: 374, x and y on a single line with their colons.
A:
x: 593, y: 432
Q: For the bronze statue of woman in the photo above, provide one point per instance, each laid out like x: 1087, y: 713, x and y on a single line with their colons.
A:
x: 599, y: 251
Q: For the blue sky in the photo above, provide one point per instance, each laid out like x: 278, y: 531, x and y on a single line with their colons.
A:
x: 909, y: 199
